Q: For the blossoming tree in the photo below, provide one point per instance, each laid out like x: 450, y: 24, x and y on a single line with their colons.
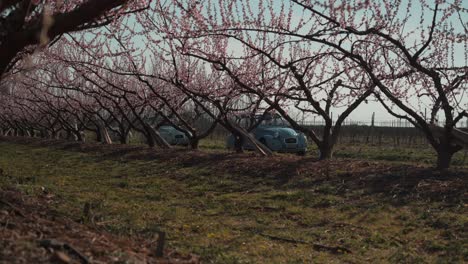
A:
x: 414, y: 61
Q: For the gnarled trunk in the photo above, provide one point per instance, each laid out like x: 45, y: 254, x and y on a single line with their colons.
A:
x: 328, y: 144
x: 123, y: 135
x: 450, y: 142
x: 123, y: 138
x: 7, y: 132
x: 79, y: 135
x: 71, y: 135
x: 194, y: 142
x: 102, y: 134
x: 326, y: 152
x: 240, y: 134
x: 54, y: 134
x: 150, y: 141
x: 444, y: 158
x: 98, y: 134
x: 154, y: 138
x: 238, y: 142
x: 43, y: 133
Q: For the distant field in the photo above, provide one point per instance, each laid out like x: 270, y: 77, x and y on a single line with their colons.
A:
x: 231, y: 208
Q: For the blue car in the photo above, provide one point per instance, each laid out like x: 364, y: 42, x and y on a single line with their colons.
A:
x: 275, y: 133
x: 173, y: 136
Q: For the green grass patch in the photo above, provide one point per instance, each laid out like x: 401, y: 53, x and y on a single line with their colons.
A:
x: 227, y: 219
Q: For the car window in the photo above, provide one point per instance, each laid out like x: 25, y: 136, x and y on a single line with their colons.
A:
x: 276, y: 121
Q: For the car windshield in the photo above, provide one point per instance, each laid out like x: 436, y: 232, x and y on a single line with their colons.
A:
x: 275, y: 120
x: 166, y: 128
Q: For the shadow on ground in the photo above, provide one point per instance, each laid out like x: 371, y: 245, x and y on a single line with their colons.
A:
x: 396, y: 182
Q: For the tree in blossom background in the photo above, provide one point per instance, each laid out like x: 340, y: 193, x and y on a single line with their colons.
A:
x: 136, y: 65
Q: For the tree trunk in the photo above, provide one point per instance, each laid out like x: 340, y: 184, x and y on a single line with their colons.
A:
x: 123, y: 138
x: 150, y: 140
x: 106, y: 139
x: 71, y: 135
x: 444, y: 158
x: 98, y: 134
x: 53, y: 135
x: 194, y: 142
x: 326, y: 152
x: 241, y: 134
x: 448, y: 145
x: 123, y: 134
x: 80, y: 136
x: 327, y: 146
x: 43, y: 133
x: 238, y: 142
x: 102, y: 134
x: 154, y: 138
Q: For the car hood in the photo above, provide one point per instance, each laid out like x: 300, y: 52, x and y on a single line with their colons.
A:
x: 283, y: 131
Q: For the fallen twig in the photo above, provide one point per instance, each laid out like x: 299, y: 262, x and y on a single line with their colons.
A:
x: 318, y: 247
x: 334, y: 249
x: 266, y: 208
x: 160, y: 244
x: 52, y: 243
x: 14, y: 208
x: 284, y: 239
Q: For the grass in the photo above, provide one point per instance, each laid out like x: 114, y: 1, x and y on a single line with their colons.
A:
x: 360, y: 150
x: 419, y: 154
x: 227, y: 216
x: 387, y: 150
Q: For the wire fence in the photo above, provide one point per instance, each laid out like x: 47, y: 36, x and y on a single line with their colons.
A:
x: 384, y: 123
x: 389, y: 132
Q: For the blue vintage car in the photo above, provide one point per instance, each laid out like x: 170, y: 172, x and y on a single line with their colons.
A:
x: 173, y: 136
x: 275, y: 133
